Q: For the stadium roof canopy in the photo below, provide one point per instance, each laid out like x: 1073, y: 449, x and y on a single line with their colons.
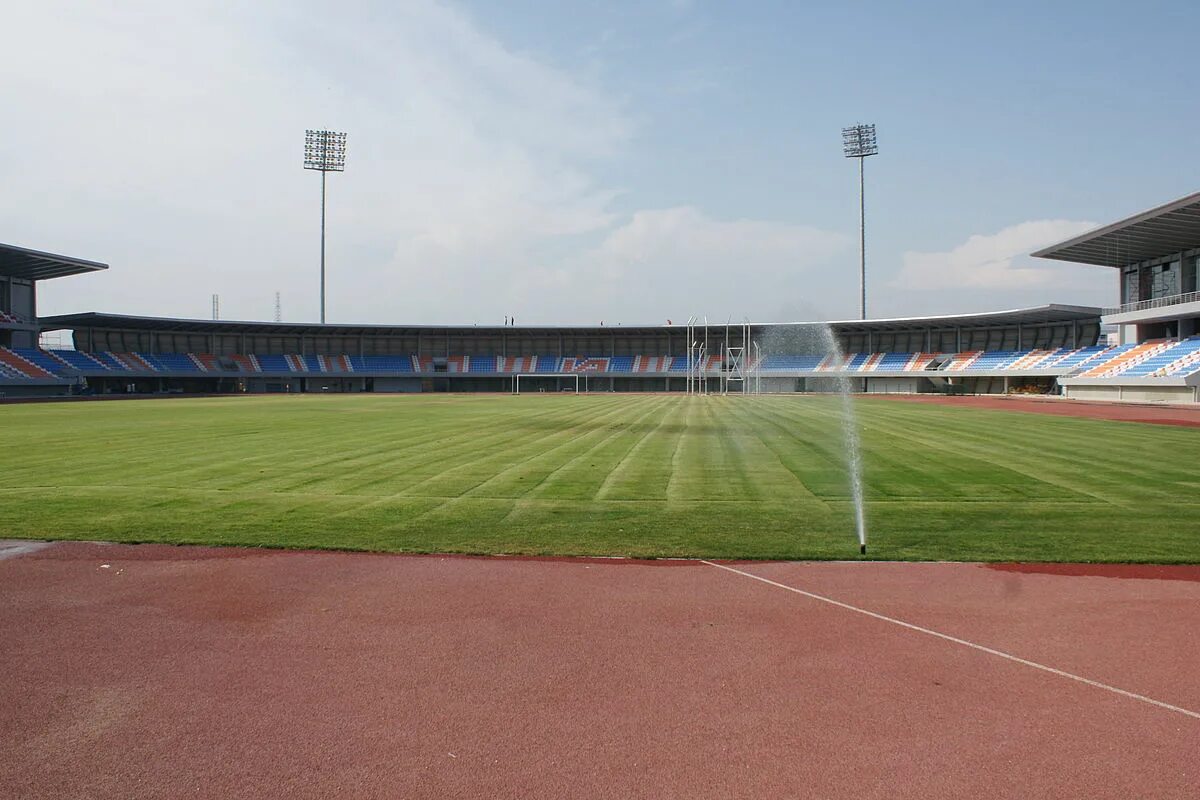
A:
x: 1047, y: 314
x: 34, y: 265
x: 1161, y: 231
x: 1037, y: 315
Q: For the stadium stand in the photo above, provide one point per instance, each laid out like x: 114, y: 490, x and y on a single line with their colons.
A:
x: 921, y: 362
x: 778, y: 363
x: 1174, y: 358
x: 994, y: 360
x: 1159, y: 357
x: 22, y: 367
x: 396, y: 364
x: 1077, y: 358
x: 110, y: 362
x: 275, y: 363
x: 245, y: 363
x: 10, y: 373
x: 1034, y: 359
x: 621, y: 364
x: 961, y: 361
x: 894, y: 361
x: 175, y: 362
x: 1188, y: 362
x: 45, y: 360
x: 80, y: 360
x: 1121, y: 358
x: 858, y: 361
x: 513, y: 365
x: 651, y: 363
x: 482, y: 365
x: 136, y: 362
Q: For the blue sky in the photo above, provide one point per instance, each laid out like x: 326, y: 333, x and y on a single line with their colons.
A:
x: 586, y: 161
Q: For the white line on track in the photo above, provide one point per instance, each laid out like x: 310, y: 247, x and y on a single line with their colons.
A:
x: 963, y: 642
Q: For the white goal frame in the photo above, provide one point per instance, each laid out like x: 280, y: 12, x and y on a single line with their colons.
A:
x: 519, y: 375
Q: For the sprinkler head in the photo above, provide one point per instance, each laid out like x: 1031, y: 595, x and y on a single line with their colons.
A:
x: 862, y: 548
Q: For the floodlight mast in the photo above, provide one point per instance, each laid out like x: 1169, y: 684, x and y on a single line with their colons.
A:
x: 324, y: 151
x: 858, y: 141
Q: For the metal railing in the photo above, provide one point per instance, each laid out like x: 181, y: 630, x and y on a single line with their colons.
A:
x: 1157, y: 302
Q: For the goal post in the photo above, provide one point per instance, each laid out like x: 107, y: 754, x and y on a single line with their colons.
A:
x: 517, y: 378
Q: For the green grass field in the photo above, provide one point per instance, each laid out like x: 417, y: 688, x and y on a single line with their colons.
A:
x: 603, y: 475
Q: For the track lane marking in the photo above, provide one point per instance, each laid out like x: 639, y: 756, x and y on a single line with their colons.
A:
x: 947, y: 637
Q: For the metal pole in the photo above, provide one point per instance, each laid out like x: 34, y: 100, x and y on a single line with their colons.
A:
x: 725, y: 358
x: 323, y: 247
x: 687, y: 384
x: 745, y: 357
x: 724, y: 374
x: 862, y: 242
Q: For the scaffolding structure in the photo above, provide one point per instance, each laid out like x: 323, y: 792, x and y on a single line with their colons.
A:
x: 697, y: 355
x: 741, y: 364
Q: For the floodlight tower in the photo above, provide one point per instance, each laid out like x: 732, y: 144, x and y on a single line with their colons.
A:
x: 858, y: 141
x: 324, y: 151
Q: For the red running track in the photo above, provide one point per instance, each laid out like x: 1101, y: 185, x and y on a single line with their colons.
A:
x: 1187, y: 416
x: 192, y: 672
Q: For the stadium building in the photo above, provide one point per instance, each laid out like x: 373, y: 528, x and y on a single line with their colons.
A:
x: 1156, y: 256
x: 1047, y: 349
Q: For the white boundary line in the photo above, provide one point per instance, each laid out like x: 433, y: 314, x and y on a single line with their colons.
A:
x: 963, y: 642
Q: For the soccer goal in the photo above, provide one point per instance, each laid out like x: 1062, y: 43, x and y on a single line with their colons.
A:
x: 518, y: 376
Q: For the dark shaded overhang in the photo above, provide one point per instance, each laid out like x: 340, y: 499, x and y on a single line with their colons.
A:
x: 34, y: 265
x: 94, y: 319
x: 1159, y: 232
x: 1037, y: 315
x: 1048, y: 314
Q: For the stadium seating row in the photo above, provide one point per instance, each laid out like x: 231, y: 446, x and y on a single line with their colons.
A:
x: 1165, y: 358
x: 1161, y: 359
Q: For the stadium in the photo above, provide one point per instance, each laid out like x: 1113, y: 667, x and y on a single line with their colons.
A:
x: 1155, y: 356
x: 917, y: 555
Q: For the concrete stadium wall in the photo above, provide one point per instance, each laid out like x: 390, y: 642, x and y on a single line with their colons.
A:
x: 897, y: 385
x: 1134, y: 394
x: 781, y: 385
x: 406, y: 385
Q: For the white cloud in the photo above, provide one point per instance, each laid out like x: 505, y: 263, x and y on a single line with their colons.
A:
x: 723, y: 266
x: 993, y: 261
x: 655, y: 264
x: 168, y: 143
x: 994, y: 271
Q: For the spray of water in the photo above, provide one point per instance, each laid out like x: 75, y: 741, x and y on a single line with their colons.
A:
x: 850, y: 434
x: 818, y: 339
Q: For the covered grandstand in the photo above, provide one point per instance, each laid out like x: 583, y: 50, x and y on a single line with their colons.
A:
x: 978, y: 353
x: 1156, y: 254
x: 20, y: 271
